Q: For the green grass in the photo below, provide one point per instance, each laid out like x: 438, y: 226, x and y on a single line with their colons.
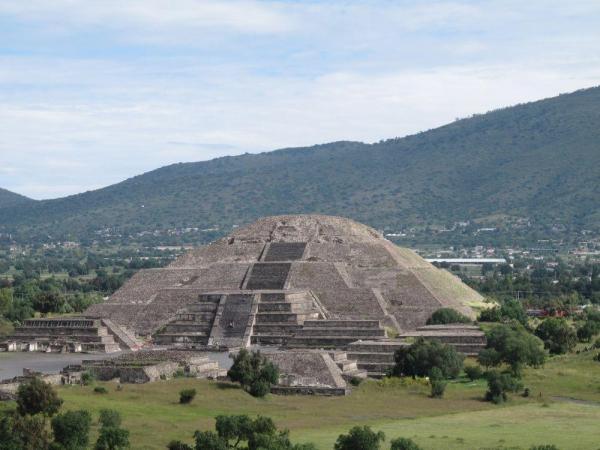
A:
x: 398, y: 407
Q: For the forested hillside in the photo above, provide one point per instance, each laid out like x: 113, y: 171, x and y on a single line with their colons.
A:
x: 539, y: 160
x: 8, y: 198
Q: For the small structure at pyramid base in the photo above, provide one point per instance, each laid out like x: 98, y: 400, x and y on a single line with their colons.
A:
x: 147, y: 366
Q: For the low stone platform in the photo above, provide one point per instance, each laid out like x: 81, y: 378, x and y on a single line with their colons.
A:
x: 375, y: 357
x: 467, y: 339
x: 307, y: 372
x: 72, y: 334
x: 152, y: 365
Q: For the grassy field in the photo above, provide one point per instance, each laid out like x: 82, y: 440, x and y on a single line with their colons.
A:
x: 563, y: 409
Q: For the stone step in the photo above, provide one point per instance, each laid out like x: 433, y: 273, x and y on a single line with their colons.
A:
x: 320, y: 341
x: 347, y: 365
x: 358, y: 373
x: 100, y: 347
x: 125, y: 339
x: 195, y: 315
x: 289, y: 306
x: 375, y: 366
x: 276, y: 328
x: 66, y: 338
x: 338, y: 356
x: 376, y: 346
x: 276, y: 297
x: 324, y: 323
x: 269, y: 339
x: 447, y: 339
x: 372, y: 357
x: 186, y: 327
x: 357, y: 332
x: 270, y: 317
x: 85, y: 331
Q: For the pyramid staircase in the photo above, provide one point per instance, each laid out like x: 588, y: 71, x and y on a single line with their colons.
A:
x: 375, y: 357
x: 280, y: 316
x: 348, y: 367
x: 334, y: 333
x: 191, y: 326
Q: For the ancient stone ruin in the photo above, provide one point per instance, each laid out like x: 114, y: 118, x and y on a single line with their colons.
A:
x: 290, y: 282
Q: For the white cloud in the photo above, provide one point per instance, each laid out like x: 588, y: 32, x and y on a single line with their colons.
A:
x: 157, y: 15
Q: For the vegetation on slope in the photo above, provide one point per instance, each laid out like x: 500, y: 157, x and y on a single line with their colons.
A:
x: 539, y: 160
x: 8, y: 199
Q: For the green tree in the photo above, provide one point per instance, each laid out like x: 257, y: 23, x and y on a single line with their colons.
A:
x: 209, y: 440
x: 71, y: 429
x: 558, y: 336
x: 36, y: 396
x: 109, y: 418
x: 473, y: 372
x: 360, y: 438
x: 254, y: 372
x: 437, y: 382
x: 499, y: 384
x: 512, y: 345
x: 24, y: 433
x: 418, y: 359
x: 257, y: 434
x: 404, y: 444
x: 6, y: 301
x: 588, y: 330
x: 111, y: 436
x: 445, y: 316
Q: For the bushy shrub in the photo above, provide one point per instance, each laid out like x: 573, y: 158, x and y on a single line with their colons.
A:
x: 588, y: 330
x: 72, y: 429
x: 243, y: 432
x: 360, y: 438
x: 509, y: 310
x: 558, y: 336
x: 404, y: 444
x: 36, y: 396
x: 418, y: 359
x: 178, y: 445
x: 87, y: 378
x: 254, y: 372
x: 187, y: 395
x: 109, y: 418
x: 111, y: 435
x: 356, y: 381
x: 490, y: 315
x: 100, y: 390
x: 473, y: 372
x: 513, y: 345
x: 499, y: 384
x: 437, y: 382
x: 444, y: 316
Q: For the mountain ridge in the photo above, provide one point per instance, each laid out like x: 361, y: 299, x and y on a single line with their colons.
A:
x: 537, y: 159
x: 9, y: 198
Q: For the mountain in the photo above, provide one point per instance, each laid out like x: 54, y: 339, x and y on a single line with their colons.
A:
x: 539, y: 160
x: 8, y: 198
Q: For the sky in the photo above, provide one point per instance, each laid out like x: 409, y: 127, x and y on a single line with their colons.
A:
x: 95, y: 91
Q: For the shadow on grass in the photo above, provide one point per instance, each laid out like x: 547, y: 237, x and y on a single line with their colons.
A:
x: 226, y: 385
